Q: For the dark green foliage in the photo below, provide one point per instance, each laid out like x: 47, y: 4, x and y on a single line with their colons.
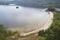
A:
x: 6, y: 34
x: 1, y: 27
x: 41, y: 33
x: 53, y: 33
x: 51, y: 9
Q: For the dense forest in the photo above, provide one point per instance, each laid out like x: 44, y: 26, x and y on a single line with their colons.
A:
x: 53, y: 33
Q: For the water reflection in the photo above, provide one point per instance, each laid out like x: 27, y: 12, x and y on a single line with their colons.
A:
x: 22, y: 19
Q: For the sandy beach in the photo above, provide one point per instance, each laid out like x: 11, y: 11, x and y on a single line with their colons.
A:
x: 45, y: 27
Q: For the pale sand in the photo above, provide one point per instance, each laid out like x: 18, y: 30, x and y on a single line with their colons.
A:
x: 45, y: 27
x: 35, y: 30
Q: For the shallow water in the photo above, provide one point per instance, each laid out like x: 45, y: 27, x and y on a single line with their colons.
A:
x: 22, y: 18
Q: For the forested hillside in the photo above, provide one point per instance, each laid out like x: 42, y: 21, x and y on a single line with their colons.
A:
x: 32, y: 3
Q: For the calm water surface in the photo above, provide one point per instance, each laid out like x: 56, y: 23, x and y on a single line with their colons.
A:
x: 22, y: 18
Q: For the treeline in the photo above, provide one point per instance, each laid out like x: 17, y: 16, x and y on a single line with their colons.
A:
x: 32, y: 3
x: 4, y: 3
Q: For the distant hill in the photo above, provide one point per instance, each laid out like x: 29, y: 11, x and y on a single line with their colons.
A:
x: 29, y: 1
x: 50, y: 1
x: 36, y: 3
x: 32, y: 3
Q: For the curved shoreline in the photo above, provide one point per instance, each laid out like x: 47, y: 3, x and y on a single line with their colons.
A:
x: 46, y: 26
